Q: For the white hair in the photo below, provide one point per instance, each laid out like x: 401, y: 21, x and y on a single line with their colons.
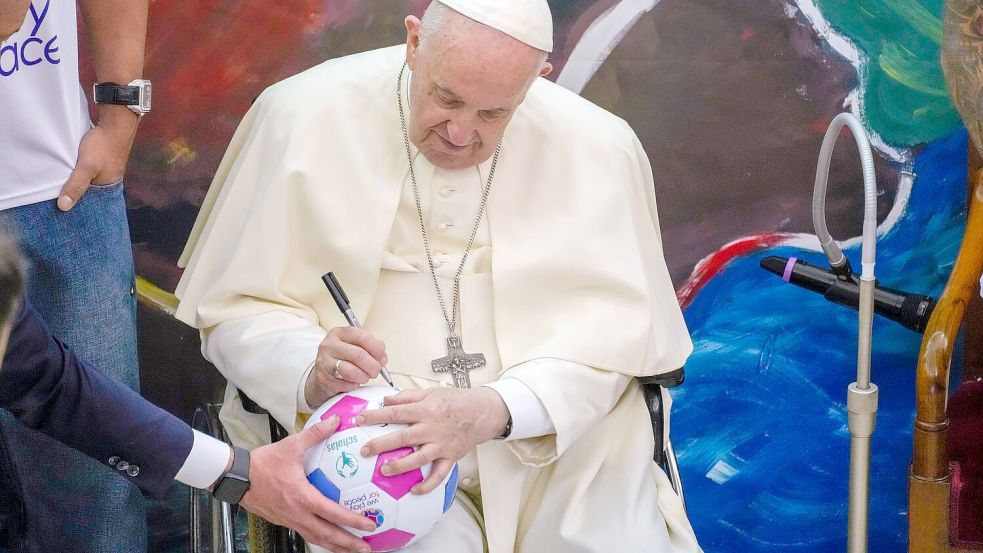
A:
x: 433, y: 21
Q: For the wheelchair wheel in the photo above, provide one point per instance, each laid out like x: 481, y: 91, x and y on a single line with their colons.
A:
x: 671, y: 469
x: 212, y: 522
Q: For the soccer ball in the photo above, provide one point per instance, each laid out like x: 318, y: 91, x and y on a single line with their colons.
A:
x: 337, y: 468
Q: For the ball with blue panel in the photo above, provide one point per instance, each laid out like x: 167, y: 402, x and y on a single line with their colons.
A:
x: 337, y: 468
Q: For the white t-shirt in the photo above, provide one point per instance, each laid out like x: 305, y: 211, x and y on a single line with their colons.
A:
x: 43, y: 111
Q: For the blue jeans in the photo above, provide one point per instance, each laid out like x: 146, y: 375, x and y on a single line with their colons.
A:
x: 81, y: 280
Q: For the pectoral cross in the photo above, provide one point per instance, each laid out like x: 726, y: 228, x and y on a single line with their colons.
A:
x: 458, y: 363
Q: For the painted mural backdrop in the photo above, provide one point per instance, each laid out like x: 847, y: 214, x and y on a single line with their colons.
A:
x: 730, y: 100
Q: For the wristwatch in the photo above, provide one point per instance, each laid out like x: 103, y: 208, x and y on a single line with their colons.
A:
x: 235, y: 483
x: 508, y: 430
x: 135, y: 95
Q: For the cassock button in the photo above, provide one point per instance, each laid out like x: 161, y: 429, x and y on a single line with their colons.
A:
x: 442, y: 227
x: 467, y: 480
x: 133, y: 470
x: 113, y: 460
x: 446, y: 192
x: 122, y: 465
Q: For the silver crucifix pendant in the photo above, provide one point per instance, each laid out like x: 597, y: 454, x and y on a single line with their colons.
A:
x: 457, y: 362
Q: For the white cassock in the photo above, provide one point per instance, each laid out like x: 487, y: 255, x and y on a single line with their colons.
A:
x: 565, y: 288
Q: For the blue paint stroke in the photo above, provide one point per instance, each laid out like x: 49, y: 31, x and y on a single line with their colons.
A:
x: 760, y: 425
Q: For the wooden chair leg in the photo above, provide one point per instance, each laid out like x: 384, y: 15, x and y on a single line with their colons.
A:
x: 928, y: 513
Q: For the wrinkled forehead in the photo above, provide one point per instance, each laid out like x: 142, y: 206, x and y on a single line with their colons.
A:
x: 486, y: 69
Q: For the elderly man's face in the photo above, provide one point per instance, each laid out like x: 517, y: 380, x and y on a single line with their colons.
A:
x: 467, y: 83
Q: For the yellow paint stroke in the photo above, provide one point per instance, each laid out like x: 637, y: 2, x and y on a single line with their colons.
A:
x: 179, y: 151
x: 921, y: 20
x: 904, y: 67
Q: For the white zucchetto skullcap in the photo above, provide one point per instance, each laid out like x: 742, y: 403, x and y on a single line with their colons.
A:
x: 528, y: 21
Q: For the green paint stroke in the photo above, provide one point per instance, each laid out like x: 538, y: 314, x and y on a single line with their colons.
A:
x: 905, y: 98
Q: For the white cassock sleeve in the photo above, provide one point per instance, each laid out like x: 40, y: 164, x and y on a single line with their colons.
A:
x: 575, y: 398
x: 529, y: 416
x: 266, y: 356
x: 302, y: 405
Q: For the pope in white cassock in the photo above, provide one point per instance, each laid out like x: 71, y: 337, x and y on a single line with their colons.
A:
x: 461, y: 200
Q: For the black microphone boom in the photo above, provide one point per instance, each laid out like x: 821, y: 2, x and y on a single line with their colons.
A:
x: 911, y: 311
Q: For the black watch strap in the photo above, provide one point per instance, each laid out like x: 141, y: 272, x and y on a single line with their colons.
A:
x: 137, y: 95
x: 112, y: 93
x: 235, y: 483
x: 508, y: 430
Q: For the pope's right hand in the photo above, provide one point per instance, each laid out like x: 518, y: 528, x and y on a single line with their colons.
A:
x: 347, y: 358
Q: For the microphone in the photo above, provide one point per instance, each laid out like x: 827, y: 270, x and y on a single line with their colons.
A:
x: 911, y: 311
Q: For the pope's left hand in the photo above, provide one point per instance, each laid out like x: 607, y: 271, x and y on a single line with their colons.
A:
x: 444, y: 425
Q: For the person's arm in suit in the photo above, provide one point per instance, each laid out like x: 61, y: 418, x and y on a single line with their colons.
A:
x: 46, y: 387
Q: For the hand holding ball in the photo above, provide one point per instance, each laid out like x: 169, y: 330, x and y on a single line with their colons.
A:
x: 337, y: 469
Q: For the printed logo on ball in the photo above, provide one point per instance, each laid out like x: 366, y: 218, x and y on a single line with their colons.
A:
x: 366, y: 502
x: 346, y: 465
x: 375, y: 515
x: 342, y: 443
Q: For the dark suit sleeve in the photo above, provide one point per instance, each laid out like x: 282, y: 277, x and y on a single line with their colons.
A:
x: 47, y: 388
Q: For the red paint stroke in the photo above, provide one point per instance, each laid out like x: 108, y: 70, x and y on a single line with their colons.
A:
x: 746, y: 34
x: 714, y: 263
x: 820, y: 124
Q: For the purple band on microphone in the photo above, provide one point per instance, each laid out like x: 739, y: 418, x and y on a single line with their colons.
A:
x: 788, y: 268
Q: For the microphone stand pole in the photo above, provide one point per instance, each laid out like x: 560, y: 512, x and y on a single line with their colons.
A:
x: 862, y: 394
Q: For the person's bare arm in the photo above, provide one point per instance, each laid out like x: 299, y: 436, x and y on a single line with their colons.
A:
x: 116, y: 31
x: 12, y: 14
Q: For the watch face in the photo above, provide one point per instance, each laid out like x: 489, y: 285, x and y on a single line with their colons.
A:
x: 144, y: 96
x: 231, y: 489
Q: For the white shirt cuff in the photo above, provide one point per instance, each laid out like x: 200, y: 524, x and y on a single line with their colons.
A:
x: 302, y: 406
x: 529, y: 416
x: 205, y: 463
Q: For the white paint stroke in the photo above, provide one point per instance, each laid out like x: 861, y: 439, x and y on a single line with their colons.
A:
x: 599, y: 40
x: 607, y: 31
x: 846, y: 48
x: 854, y: 100
x: 905, y: 183
x: 721, y: 472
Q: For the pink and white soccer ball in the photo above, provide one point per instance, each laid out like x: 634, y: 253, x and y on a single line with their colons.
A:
x: 337, y: 468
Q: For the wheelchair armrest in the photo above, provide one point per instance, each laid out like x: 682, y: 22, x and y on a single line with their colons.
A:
x: 249, y: 405
x: 277, y: 431
x: 670, y: 379
x: 652, y: 391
